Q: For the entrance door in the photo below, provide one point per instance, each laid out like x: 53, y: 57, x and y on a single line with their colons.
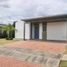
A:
x: 36, y: 31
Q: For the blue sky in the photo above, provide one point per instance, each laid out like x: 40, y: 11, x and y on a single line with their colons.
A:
x: 11, y: 10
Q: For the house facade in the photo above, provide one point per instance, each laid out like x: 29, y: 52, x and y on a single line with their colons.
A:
x: 43, y: 28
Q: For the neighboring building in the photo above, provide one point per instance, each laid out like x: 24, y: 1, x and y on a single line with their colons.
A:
x: 44, y: 28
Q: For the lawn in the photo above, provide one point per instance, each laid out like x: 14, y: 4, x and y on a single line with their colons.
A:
x: 4, y: 41
x: 63, y: 64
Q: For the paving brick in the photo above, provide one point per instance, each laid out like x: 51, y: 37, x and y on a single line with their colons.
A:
x: 35, y: 57
x: 39, y: 45
x: 12, y: 62
x: 31, y: 54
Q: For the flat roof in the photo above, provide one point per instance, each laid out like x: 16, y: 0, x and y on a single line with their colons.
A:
x: 47, y: 18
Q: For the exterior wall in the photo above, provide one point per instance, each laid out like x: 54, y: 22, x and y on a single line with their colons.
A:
x: 40, y: 30
x: 27, y: 30
x: 56, y: 31
x: 19, y: 34
x: 66, y: 30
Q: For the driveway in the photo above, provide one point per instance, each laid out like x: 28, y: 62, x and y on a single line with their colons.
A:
x: 39, y: 45
x: 31, y: 54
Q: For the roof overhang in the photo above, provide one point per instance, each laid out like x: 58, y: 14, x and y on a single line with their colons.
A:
x: 57, y: 18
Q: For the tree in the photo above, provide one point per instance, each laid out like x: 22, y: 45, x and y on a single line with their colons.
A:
x: 9, y: 28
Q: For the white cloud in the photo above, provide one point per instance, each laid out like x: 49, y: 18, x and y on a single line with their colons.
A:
x: 18, y: 9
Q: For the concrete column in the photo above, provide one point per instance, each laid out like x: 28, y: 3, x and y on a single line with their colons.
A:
x: 40, y: 30
x: 27, y: 30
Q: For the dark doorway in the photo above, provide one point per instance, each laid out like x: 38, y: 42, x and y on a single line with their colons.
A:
x: 36, y: 31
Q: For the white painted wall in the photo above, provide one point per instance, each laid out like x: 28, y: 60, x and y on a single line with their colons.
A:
x: 66, y: 30
x: 40, y: 30
x: 56, y: 31
x: 19, y: 26
x: 27, y: 30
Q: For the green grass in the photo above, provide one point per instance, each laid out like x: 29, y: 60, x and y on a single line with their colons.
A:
x: 4, y: 41
x: 63, y: 64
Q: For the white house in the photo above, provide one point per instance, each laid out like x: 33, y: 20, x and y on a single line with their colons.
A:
x: 43, y: 28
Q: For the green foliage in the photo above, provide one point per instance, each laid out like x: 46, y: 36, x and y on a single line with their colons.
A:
x: 2, y: 33
x: 8, y: 29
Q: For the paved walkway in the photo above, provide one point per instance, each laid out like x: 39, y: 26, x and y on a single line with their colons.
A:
x: 31, y: 54
x: 12, y: 62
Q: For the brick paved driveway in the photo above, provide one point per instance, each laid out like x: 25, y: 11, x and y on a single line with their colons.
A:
x: 12, y: 61
x: 39, y: 45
